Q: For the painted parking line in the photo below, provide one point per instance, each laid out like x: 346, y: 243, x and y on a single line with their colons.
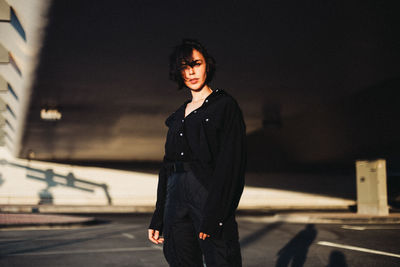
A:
x: 83, y: 251
x: 362, y: 228
x: 372, y: 251
x: 349, y: 227
x: 128, y: 235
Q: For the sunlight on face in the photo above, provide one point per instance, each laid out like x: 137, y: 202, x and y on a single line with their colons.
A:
x: 194, y: 73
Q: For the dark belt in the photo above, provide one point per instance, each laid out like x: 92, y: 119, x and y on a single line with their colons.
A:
x: 178, y: 166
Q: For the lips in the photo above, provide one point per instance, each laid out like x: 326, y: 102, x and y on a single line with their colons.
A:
x: 193, y: 81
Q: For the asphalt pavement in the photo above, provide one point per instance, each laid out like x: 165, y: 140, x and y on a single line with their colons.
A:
x: 266, y: 240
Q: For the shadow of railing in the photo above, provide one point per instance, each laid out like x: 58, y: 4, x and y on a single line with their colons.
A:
x: 53, y: 179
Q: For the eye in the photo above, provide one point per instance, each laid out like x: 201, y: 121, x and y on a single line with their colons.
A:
x: 195, y: 63
x: 183, y: 67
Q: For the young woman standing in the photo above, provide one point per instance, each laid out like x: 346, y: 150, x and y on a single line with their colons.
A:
x: 202, y: 177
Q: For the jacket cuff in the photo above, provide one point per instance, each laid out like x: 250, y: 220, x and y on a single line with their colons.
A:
x: 156, y: 222
x: 213, y: 228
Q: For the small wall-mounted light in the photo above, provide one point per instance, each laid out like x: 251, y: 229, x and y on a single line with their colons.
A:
x: 50, y: 114
x: 31, y: 154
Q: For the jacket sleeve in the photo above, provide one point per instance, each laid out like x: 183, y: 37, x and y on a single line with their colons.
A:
x: 228, y: 176
x: 157, y: 219
x: 158, y: 215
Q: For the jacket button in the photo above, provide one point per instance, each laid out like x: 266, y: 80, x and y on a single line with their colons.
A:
x: 216, y: 90
x: 220, y: 224
x: 182, y: 153
x: 181, y: 134
x: 195, y: 111
x: 207, y: 119
x: 206, y: 100
x: 183, y: 120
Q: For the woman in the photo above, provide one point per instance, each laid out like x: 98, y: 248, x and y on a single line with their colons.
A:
x: 202, y: 177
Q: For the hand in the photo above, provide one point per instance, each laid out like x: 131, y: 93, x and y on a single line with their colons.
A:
x: 154, y: 236
x: 203, y: 235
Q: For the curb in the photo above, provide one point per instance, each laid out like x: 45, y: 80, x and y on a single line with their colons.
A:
x: 75, y: 209
x: 150, y: 208
x: 326, y: 218
x: 45, y: 216
x: 30, y: 220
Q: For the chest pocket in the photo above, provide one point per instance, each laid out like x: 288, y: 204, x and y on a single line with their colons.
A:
x: 210, y: 138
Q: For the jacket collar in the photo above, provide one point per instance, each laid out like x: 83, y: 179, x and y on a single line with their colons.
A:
x: 181, y: 110
x: 214, y: 94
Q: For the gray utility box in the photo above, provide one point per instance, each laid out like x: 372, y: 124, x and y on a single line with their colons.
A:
x: 371, y: 187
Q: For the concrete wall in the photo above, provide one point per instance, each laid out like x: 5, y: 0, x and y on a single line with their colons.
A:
x: 29, y: 182
x: 26, y: 182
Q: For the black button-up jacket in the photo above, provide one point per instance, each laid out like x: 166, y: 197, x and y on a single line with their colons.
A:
x: 213, y: 139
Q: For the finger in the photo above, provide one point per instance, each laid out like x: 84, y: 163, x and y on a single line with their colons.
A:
x: 151, y: 238
x: 156, y: 234
x: 205, y: 236
x: 201, y: 235
x: 157, y: 237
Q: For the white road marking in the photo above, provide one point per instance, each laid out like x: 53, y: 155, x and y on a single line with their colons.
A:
x: 358, y: 228
x: 128, y: 235
x: 362, y: 228
x: 329, y: 244
x: 82, y: 251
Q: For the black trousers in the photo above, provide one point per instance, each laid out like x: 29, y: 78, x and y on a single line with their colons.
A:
x: 182, y: 218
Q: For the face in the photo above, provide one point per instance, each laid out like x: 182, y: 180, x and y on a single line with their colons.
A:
x: 194, y: 73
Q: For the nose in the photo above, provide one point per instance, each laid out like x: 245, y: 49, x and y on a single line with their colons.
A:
x: 191, y: 70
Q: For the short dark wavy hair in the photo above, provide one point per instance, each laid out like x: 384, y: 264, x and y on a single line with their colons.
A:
x: 183, y: 53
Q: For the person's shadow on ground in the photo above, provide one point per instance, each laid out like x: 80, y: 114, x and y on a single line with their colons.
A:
x: 296, y: 250
x: 337, y: 259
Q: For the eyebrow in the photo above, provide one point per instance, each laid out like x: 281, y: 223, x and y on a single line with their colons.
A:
x: 192, y: 61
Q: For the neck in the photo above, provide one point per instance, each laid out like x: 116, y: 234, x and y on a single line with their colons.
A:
x: 201, y: 93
